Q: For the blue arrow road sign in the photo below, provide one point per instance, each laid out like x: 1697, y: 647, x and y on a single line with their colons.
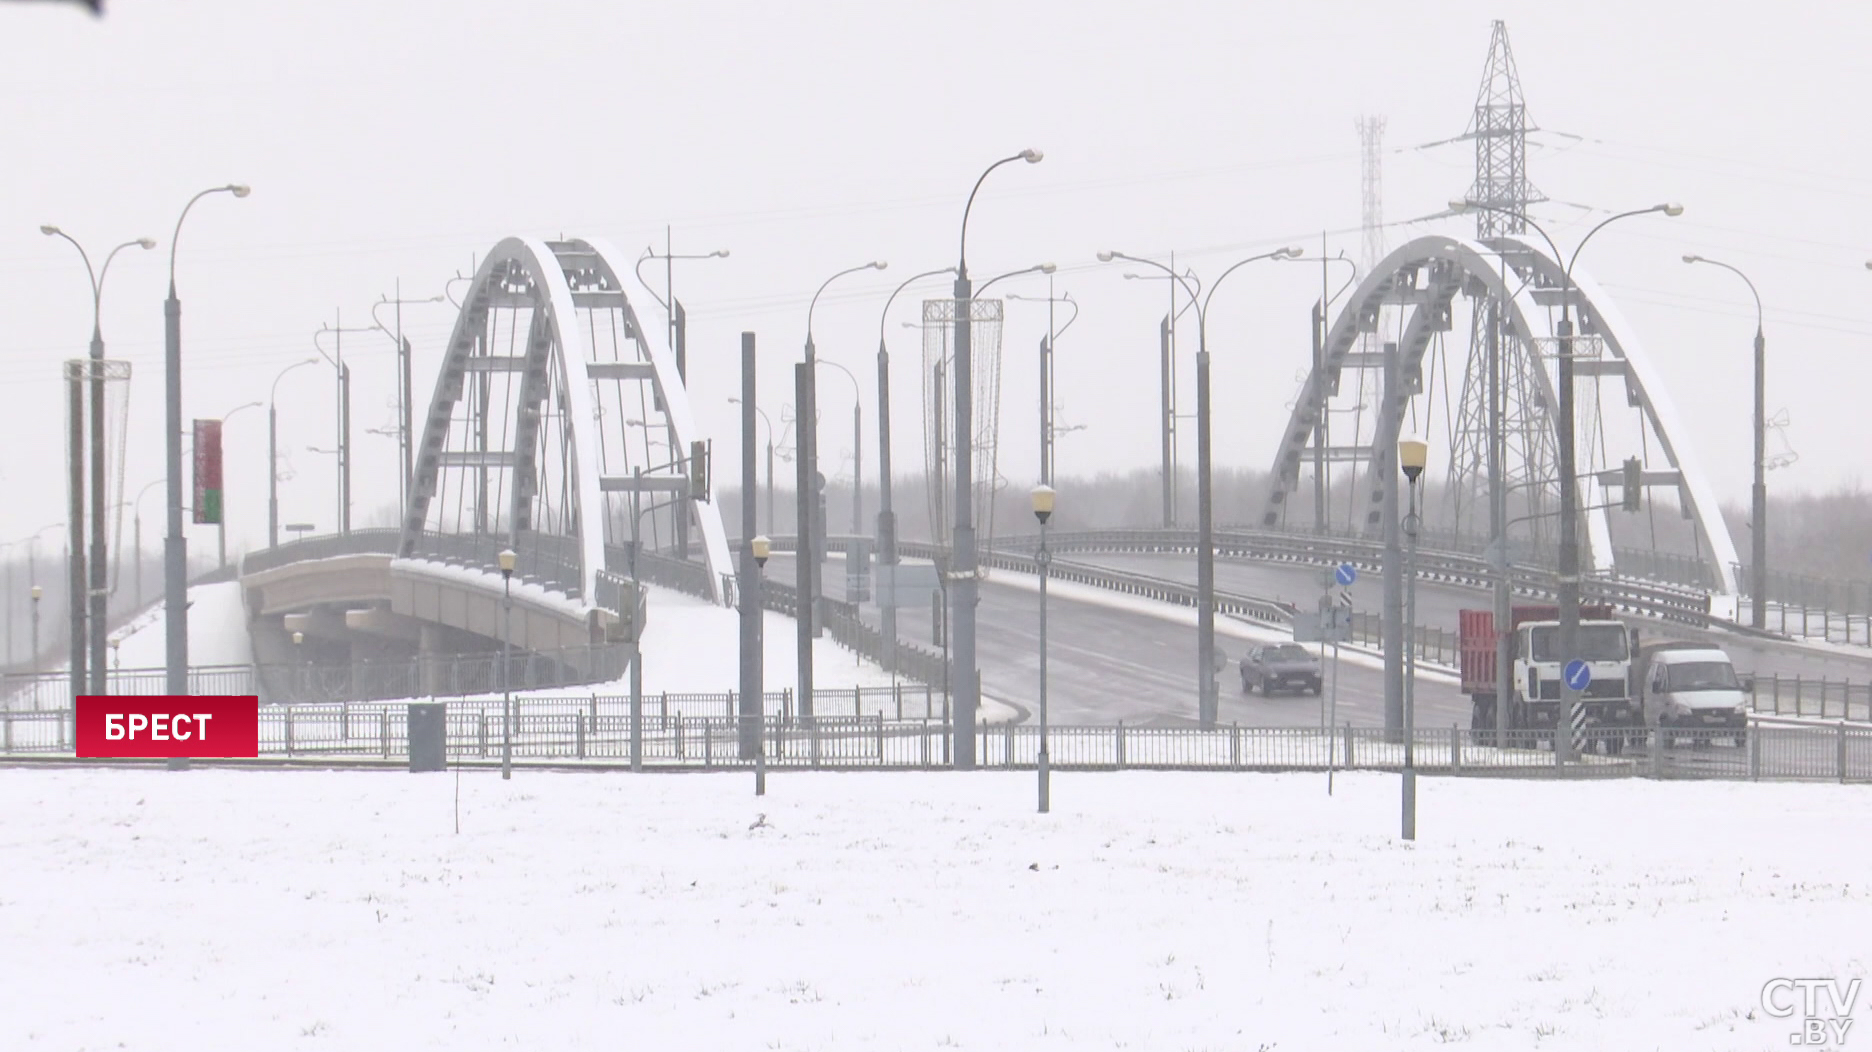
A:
x: 1578, y: 674
x: 1345, y: 574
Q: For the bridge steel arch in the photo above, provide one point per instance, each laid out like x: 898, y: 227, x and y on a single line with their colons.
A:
x: 527, y: 441
x: 1422, y: 278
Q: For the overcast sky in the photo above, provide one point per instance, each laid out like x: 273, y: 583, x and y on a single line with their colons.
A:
x: 393, y: 140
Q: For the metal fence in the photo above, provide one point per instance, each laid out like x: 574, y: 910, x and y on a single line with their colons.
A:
x: 1839, y: 699
x: 450, y: 676
x: 700, y: 732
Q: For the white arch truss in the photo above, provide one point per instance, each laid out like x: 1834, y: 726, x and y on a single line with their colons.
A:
x: 1420, y: 280
x: 557, y: 423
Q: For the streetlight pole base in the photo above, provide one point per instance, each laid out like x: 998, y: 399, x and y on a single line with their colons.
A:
x: 1046, y: 772
x: 1410, y: 803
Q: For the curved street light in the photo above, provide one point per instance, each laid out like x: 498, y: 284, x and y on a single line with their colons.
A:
x: 1758, y: 512
x: 406, y: 389
x: 887, y: 516
x: 1047, y: 407
x: 810, y: 551
x: 273, y: 451
x: 1208, y: 700
x: 963, y: 565
x: 175, y: 543
x: 97, y: 607
x: 1569, y: 583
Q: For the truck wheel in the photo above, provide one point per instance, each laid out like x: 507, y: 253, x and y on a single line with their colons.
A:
x: 1317, y: 689
x: 1614, y: 745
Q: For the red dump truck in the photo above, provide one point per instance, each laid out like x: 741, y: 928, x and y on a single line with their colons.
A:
x: 1610, y: 701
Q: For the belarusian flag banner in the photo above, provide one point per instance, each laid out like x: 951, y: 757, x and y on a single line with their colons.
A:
x: 208, y: 471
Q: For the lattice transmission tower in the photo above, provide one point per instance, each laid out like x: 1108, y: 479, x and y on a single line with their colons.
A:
x: 1500, y: 379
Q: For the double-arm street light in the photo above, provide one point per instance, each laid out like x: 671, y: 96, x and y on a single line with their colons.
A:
x: 99, y: 584
x: 1166, y: 366
x: 175, y: 542
x: 343, y: 373
x: 962, y: 567
x: 1569, y: 579
x: 406, y: 448
x: 1758, y: 512
x: 273, y: 451
x: 1047, y: 431
x: 1207, y: 697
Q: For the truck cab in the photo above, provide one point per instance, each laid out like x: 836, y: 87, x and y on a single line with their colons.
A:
x: 1609, y: 700
x: 1695, y: 689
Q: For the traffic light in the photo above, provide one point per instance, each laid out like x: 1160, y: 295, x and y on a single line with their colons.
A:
x: 1634, y: 485
x: 698, y: 471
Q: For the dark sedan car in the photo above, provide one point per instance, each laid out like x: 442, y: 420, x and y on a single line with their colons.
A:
x: 1281, y: 666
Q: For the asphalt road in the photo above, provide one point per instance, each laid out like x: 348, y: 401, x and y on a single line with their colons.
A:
x: 1107, y: 664
x: 1437, y: 604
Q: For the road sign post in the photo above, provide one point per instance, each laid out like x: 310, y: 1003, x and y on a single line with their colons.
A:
x: 1578, y: 676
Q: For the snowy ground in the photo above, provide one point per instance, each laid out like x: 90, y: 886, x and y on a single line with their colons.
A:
x: 281, y: 910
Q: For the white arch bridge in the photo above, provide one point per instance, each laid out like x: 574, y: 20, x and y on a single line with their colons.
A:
x: 559, y: 428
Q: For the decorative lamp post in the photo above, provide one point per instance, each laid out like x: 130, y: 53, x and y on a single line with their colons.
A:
x: 1043, y: 510
x: 1413, y: 454
x: 507, y: 559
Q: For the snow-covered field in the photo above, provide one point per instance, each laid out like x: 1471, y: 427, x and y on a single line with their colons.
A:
x: 142, y: 909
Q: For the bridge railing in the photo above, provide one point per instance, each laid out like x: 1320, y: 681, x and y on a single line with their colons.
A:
x: 376, y: 541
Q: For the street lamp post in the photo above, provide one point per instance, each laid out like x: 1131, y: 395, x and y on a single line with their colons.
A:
x: 1047, y: 431
x: 37, y: 592
x: 273, y: 452
x: 221, y: 527
x: 136, y: 538
x: 1758, y: 511
x: 406, y: 447
x: 1043, y: 510
x: 1413, y: 454
x: 175, y: 543
x: 507, y: 559
x: 1569, y: 571
x: 1208, y: 701
x: 768, y: 424
x: 1166, y: 355
x: 857, y: 448
x: 678, y: 334
x: 343, y: 372
x: 962, y: 568
x: 811, y: 549
x: 887, y: 516
x: 99, y: 594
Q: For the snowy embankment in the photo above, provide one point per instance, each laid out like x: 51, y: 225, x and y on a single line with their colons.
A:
x: 217, y: 631
x: 266, y: 909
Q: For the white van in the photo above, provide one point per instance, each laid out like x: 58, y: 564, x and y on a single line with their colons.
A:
x: 1694, y: 688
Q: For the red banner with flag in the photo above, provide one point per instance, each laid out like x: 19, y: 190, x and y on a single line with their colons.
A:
x: 208, y: 471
